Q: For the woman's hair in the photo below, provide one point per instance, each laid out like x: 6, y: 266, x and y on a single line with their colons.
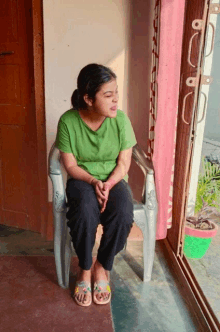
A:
x: 89, y: 82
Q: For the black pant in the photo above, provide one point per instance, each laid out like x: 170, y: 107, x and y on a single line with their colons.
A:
x: 84, y: 217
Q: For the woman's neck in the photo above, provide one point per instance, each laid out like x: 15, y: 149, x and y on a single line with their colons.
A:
x: 91, y: 116
x: 92, y: 119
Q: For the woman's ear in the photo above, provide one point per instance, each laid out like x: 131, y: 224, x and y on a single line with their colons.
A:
x: 87, y: 100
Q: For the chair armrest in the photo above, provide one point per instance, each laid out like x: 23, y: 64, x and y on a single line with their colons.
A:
x: 146, y: 166
x: 54, y: 161
x: 141, y: 159
x: 55, y: 173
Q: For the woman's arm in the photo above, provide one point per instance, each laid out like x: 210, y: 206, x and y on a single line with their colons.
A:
x: 76, y: 172
x: 122, y: 168
x: 71, y: 167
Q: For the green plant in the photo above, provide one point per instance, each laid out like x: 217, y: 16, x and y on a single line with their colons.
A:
x: 208, y: 189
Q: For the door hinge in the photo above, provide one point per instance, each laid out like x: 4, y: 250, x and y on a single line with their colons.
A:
x: 206, y: 80
x: 214, y: 8
x: 194, y: 81
x: 198, y: 24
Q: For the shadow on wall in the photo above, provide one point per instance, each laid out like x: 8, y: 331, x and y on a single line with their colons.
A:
x: 117, y: 64
x: 140, y: 34
x: 133, y: 69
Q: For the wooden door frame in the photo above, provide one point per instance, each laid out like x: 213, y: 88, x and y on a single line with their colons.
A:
x: 38, y: 99
x: 173, y: 244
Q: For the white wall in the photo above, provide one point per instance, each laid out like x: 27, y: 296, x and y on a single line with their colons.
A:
x: 77, y: 33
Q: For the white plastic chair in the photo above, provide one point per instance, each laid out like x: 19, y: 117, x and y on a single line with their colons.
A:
x: 145, y: 215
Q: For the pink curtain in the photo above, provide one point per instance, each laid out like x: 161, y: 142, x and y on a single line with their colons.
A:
x: 170, y: 47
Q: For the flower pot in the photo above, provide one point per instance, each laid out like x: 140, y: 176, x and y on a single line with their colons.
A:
x: 197, y: 241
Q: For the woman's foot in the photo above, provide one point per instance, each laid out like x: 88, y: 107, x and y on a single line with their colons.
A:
x: 82, y: 293
x: 102, y: 292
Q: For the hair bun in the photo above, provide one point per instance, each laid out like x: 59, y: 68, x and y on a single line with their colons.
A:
x: 75, y: 99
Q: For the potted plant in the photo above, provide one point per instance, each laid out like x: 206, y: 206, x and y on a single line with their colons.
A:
x: 198, y: 236
x: 200, y: 229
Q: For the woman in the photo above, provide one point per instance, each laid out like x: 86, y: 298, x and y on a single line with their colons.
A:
x: 96, y: 140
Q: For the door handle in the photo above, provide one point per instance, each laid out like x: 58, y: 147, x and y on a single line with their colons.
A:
x: 213, y: 38
x: 190, y: 49
x: 197, y: 25
x: 204, y: 107
x: 6, y: 53
x: 183, y: 109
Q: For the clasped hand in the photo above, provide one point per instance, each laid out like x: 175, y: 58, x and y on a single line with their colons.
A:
x: 102, y: 193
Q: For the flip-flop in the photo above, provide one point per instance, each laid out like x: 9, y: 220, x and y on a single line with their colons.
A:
x: 101, y: 287
x: 82, y: 287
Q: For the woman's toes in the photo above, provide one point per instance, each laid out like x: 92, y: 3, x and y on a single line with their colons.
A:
x: 102, y: 296
x: 99, y: 297
x: 86, y: 299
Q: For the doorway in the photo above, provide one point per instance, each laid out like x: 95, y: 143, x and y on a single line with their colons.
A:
x: 192, y: 80
x: 23, y: 175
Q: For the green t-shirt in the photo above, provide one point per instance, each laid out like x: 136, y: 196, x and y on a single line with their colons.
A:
x: 95, y: 151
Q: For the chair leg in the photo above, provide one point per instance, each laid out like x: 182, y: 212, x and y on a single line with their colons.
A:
x: 58, y: 249
x: 68, y: 255
x: 149, y: 245
x: 58, y: 260
x: 61, y: 250
x: 148, y: 256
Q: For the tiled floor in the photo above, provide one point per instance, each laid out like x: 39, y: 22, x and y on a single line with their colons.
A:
x: 136, y: 306
x: 153, y: 306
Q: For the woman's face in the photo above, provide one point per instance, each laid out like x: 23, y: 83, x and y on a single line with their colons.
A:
x: 106, y: 100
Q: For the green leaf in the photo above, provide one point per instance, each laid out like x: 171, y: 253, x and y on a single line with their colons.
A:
x: 208, y: 186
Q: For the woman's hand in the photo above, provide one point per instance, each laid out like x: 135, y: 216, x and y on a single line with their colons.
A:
x: 102, y: 192
x: 98, y: 185
x: 105, y: 191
